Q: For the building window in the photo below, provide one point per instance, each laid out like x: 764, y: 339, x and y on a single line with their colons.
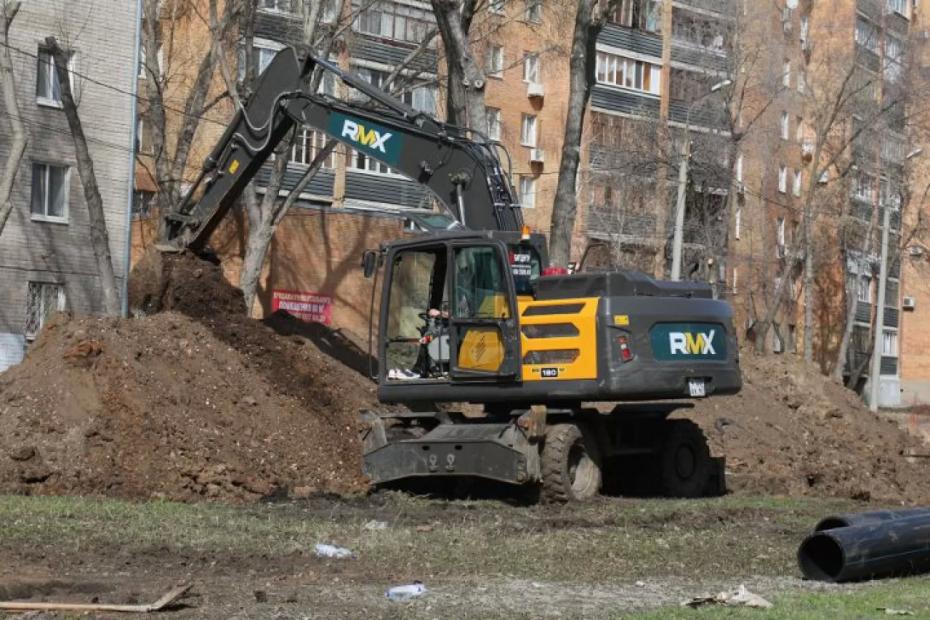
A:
x: 889, y: 344
x: 142, y: 203
x: 798, y: 180
x: 279, y: 6
x: 802, y: 81
x: 866, y: 35
x: 496, y: 6
x: 628, y: 73
x: 786, y: 74
x: 863, y: 187
x: 738, y: 223
x: 50, y: 192
x: 780, y: 232
x: 735, y: 279
x: 639, y: 14
x: 399, y: 22
x: 739, y: 168
x: 898, y: 6
x: 534, y: 11
x: 496, y: 61
x: 805, y: 32
x: 799, y: 130
x: 785, y: 125
x: 42, y: 300
x: 864, y: 289
x: 48, y: 88
x: 308, y: 143
x: 894, y: 52
x: 783, y: 179
x: 527, y: 192
x: 528, y: 130
x: 531, y: 68
x: 494, y: 123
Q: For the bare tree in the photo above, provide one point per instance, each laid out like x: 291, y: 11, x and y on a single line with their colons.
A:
x: 8, y: 11
x: 465, y: 79
x: 99, y: 237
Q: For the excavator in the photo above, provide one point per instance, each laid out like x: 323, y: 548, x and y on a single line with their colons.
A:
x: 574, y: 376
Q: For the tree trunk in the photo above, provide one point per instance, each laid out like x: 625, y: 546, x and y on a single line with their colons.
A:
x: 581, y: 77
x: 8, y: 11
x: 99, y: 238
x: 466, y: 82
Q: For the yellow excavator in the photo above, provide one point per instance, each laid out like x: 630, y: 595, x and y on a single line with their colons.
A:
x: 576, y: 373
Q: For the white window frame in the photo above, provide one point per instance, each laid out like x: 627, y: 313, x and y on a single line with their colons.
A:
x: 263, y: 6
x: 900, y: 7
x: 42, y: 313
x: 864, y: 289
x: 739, y: 168
x: 799, y: 130
x: 51, y: 74
x: 495, y: 66
x: 529, y: 130
x: 533, y: 12
x: 738, y: 223
x: 307, y: 145
x: 528, y: 192
x: 628, y: 73
x: 65, y: 210
x: 785, y: 125
x: 495, y: 124
x: 889, y: 343
x: 786, y: 74
x: 531, y: 68
x: 780, y: 232
x: 797, y: 182
x: 802, y: 81
x: 783, y: 179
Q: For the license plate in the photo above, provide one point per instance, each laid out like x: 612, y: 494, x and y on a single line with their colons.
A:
x: 696, y: 388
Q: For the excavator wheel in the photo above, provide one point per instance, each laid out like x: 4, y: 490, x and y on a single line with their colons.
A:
x: 571, y: 465
x: 684, y: 461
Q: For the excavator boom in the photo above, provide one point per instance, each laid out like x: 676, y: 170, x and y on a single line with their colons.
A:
x: 460, y: 168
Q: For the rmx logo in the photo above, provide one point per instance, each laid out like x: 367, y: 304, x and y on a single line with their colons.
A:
x: 365, y: 136
x: 690, y: 343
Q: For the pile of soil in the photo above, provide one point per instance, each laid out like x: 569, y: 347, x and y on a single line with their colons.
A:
x: 194, y: 400
x: 793, y: 431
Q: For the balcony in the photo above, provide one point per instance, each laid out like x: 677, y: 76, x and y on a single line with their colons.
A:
x: 628, y: 225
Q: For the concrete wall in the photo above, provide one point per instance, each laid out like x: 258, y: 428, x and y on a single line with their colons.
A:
x: 103, y: 35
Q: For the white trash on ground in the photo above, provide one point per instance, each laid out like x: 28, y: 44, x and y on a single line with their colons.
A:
x: 375, y: 525
x: 405, y: 593
x: 332, y: 551
x: 740, y: 598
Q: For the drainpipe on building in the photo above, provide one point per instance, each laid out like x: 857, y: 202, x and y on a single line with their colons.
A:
x: 132, y: 157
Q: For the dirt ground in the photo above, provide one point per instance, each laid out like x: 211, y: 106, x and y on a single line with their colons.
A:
x: 192, y: 400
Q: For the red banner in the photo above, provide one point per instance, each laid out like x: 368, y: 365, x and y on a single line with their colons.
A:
x: 305, y: 306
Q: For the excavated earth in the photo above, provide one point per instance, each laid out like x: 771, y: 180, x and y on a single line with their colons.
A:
x: 193, y: 400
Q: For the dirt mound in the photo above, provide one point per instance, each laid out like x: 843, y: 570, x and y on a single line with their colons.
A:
x: 195, y: 401
x: 793, y: 431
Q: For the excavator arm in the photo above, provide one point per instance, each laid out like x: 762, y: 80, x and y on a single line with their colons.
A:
x: 463, y: 173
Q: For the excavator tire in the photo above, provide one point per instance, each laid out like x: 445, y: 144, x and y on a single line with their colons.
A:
x: 571, y: 466
x: 684, y: 461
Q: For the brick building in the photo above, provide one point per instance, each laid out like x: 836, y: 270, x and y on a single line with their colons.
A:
x: 46, y: 260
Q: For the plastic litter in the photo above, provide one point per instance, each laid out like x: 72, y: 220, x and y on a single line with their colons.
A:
x: 405, y: 593
x: 332, y: 551
x: 740, y: 598
x: 375, y: 525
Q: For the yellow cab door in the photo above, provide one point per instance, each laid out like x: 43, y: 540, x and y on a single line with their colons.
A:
x: 483, y: 318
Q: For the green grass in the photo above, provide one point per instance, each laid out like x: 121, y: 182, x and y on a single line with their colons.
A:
x: 867, y: 600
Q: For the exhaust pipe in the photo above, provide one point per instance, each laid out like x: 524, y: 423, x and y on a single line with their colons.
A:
x: 853, y: 547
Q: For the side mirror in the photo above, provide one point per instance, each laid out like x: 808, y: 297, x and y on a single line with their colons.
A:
x: 369, y: 263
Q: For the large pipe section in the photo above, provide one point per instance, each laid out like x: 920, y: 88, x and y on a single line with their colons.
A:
x: 852, y: 547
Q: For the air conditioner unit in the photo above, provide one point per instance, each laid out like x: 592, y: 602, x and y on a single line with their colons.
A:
x: 915, y: 250
x: 535, y: 89
x: 537, y: 156
x: 909, y: 303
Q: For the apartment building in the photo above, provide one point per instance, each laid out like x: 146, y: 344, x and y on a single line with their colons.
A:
x: 46, y: 260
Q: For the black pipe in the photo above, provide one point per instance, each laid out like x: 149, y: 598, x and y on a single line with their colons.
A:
x: 879, y: 546
x: 852, y: 519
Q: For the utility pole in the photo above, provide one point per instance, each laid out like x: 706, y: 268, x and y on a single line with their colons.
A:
x: 879, y: 315
x: 680, y: 205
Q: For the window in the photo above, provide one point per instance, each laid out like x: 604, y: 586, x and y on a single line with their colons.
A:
x: 480, y: 285
x: 534, y: 11
x: 780, y: 231
x: 48, y: 88
x: 42, y: 300
x: 802, y: 81
x: 799, y: 129
x: 862, y: 188
x: 140, y: 127
x: 866, y: 35
x: 889, y: 343
x: 528, y: 130
x: 628, y: 73
x: 527, y: 192
x: 496, y: 6
x: 785, y: 125
x: 495, y: 61
x: 786, y: 74
x: 805, y: 32
x: 783, y: 179
x: 142, y: 203
x: 735, y: 279
x: 281, y: 6
x: 494, y: 123
x: 50, y: 192
x: 864, y: 289
x: 798, y: 180
x: 308, y: 143
x: 739, y: 168
x: 530, y: 68
x: 894, y: 53
x: 638, y: 14
x: 898, y: 6
x: 390, y: 20
x: 738, y: 223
